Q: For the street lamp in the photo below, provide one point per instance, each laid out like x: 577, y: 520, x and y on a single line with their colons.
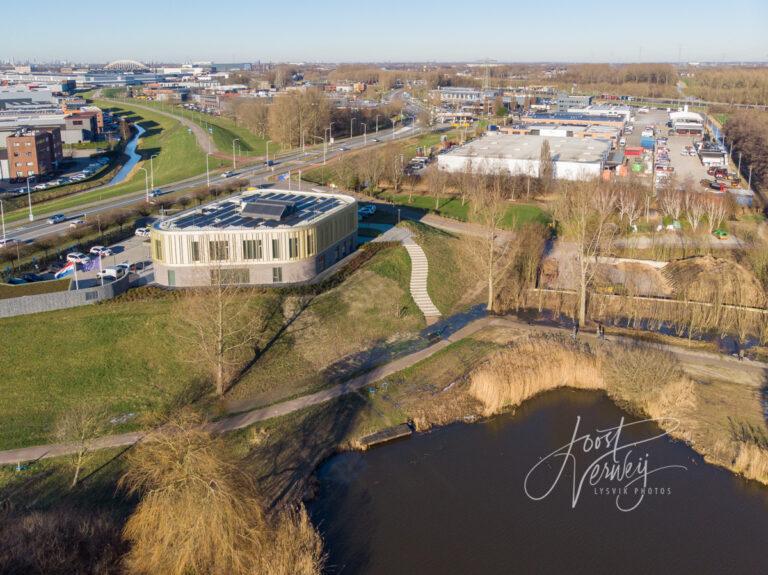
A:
x: 351, y: 132
x: 152, y: 170
x: 207, y: 171
x: 394, y: 121
x: 377, y: 123
x: 325, y: 144
x: 267, y: 160
x: 2, y: 219
x: 234, y: 158
x: 146, y: 181
x: 365, y: 135
x: 29, y: 198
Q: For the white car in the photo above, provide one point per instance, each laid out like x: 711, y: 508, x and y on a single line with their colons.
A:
x: 76, y: 223
x: 111, y: 273
x: 7, y: 242
x: 142, y: 232
x: 78, y: 258
x: 227, y: 174
x: 100, y: 251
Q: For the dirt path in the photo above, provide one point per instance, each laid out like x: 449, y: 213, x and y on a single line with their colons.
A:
x: 744, y: 372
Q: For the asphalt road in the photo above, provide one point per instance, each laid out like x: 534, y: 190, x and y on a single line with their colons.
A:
x: 26, y: 231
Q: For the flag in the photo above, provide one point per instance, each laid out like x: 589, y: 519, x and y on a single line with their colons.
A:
x: 93, y: 264
x: 65, y: 271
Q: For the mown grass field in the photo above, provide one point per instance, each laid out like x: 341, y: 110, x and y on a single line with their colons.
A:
x: 126, y: 357
x: 179, y: 158
x: 516, y: 215
x: 222, y: 129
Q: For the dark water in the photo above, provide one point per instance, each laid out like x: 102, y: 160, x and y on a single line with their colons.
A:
x: 452, y: 501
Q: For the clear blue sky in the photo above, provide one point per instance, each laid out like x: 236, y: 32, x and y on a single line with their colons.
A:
x: 386, y: 30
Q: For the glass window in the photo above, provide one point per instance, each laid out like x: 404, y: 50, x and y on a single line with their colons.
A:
x: 218, y: 250
x: 252, y: 249
x: 195, y: 251
x: 230, y: 276
x: 275, y: 249
x: 293, y: 247
x: 277, y: 275
x: 158, y: 250
x: 171, y: 278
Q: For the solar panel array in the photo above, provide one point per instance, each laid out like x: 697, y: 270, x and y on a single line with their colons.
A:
x: 227, y: 214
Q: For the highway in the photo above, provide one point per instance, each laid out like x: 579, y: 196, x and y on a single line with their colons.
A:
x: 26, y: 231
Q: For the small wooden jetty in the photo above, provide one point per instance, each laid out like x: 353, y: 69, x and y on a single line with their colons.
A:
x: 385, y: 435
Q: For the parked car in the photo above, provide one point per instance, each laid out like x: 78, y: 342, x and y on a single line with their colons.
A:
x: 30, y: 277
x: 16, y: 281
x: 78, y: 258
x: 142, y: 232
x: 111, y: 273
x: 100, y: 251
x: 56, y: 219
x: 40, y: 187
x: 623, y: 142
x: 367, y: 210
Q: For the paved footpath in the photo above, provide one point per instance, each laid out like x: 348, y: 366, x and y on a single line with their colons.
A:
x: 233, y: 422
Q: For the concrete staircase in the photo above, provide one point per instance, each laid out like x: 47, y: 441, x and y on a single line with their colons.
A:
x: 419, y: 271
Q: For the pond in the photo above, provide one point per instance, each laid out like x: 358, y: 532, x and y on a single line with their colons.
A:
x: 456, y: 500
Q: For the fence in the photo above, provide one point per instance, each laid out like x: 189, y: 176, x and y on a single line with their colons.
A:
x: 61, y: 300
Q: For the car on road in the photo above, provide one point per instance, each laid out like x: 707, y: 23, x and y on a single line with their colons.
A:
x: 156, y: 192
x: 228, y: 174
x: 100, y: 251
x: 76, y: 224
x: 343, y: 149
x: 56, y: 219
x: 8, y: 242
x: 78, y: 177
x: 111, y: 273
x: 142, y: 232
x: 623, y: 142
x: 366, y: 210
x: 376, y: 140
x: 78, y: 258
x: 40, y: 187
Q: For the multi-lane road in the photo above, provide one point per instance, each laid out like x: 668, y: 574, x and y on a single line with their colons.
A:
x: 257, y: 174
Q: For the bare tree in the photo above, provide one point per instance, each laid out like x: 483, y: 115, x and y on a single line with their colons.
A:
x: 584, y: 211
x: 437, y: 181
x: 221, y: 325
x: 717, y: 210
x: 546, y: 167
x: 489, y: 208
x: 695, y: 208
x: 394, y: 166
x: 79, y: 426
x: 670, y: 201
x: 629, y: 201
x: 372, y: 168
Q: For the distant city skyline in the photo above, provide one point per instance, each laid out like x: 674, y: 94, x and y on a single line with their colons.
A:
x: 397, y: 31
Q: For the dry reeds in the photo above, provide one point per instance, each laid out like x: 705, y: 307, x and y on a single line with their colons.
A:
x: 744, y: 458
x: 531, y: 366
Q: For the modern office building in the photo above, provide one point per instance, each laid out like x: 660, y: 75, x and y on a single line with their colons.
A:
x: 257, y: 237
x: 33, y: 153
x: 566, y: 101
x: 573, y: 158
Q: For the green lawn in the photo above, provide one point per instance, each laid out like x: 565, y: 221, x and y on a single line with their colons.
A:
x: 179, y: 158
x: 120, y: 356
x: 223, y: 130
x: 124, y: 355
x: 516, y: 215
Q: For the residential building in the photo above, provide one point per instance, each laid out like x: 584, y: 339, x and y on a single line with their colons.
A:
x: 258, y: 237
x: 33, y: 153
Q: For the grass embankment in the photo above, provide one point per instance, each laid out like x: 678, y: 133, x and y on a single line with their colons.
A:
x: 222, y: 129
x: 455, y: 280
x: 35, y: 288
x: 179, y: 157
x: 516, y: 214
x: 124, y: 356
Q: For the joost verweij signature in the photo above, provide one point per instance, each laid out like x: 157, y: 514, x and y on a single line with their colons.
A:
x: 621, y: 465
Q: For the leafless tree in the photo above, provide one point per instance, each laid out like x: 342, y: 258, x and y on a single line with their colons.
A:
x: 695, y: 208
x: 670, y: 200
x: 221, y: 326
x: 394, y: 166
x: 80, y: 425
x: 584, y: 212
x: 629, y: 202
x: 717, y: 210
x: 546, y: 167
x: 437, y: 181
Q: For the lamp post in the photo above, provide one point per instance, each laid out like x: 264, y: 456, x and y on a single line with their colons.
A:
x: 207, y: 171
x: 394, y: 122
x: 377, y: 123
x: 324, y: 144
x: 29, y: 199
x: 2, y: 219
x: 267, y: 160
x: 365, y: 135
x: 234, y: 158
x: 739, y: 162
x: 152, y: 170
x: 351, y: 132
x: 146, y: 182
x: 749, y: 183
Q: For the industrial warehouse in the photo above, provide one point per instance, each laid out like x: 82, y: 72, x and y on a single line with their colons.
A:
x: 258, y: 237
x: 573, y: 158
